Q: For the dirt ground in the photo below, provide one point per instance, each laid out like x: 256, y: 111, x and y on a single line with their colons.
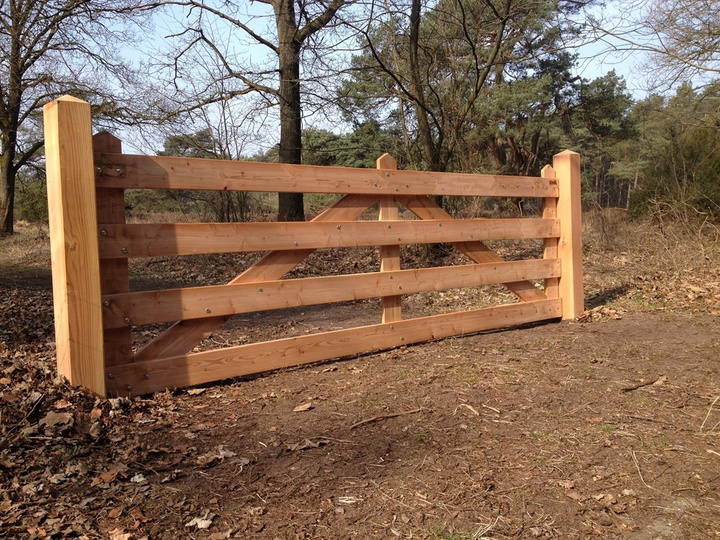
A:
x: 604, y: 427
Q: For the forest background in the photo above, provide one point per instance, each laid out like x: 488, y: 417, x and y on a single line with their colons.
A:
x: 482, y: 86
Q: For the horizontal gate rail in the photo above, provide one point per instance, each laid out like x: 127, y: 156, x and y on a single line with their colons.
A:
x: 153, y: 240
x: 162, y: 172
x: 152, y: 307
x: 95, y: 311
x: 198, y: 368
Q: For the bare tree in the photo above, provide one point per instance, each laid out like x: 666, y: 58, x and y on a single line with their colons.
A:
x: 49, y: 48
x: 680, y: 38
x: 217, y: 29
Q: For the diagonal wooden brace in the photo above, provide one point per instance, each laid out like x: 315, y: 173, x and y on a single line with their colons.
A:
x: 478, y: 252
x: 184, y: 335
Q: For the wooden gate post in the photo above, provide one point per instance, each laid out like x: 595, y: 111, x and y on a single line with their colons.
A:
x: 74, y: 243
x: 569, y: 207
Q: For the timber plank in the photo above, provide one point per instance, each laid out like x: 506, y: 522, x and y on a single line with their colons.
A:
x: 550, y: 245
x: 185, y: 334
x: 72, y: 216
x: 150, y: 307
x: 114, y: 273
x: 424, y: 208
x: 198, y: 368
x: 153, y: 240
x: 162, y: 172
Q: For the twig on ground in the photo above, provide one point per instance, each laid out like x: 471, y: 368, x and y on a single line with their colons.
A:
x: 385, y: 417
x: 708, y: 413
x: 480, y: 533
x: 657, y: 381
x: 637, y: 466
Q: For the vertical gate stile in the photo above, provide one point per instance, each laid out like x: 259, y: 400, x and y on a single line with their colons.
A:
x: 74, y: 243
x: 389, y: 255
x: 114, y: 273
x: 550, y: 245
x: 567, y: 169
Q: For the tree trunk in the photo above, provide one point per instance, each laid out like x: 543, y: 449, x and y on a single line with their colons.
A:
x: 290, y: 205
x: 7, y: 189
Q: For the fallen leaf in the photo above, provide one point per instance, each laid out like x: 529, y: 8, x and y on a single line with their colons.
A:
x: 304, y: 407
x: 115, y: 512
x: 214, y: 456
x: 118, y: 534
x: 62, y: 404
x: 201, y: 523
x: 53, y: 419
x: 138, y: 515
x: 105, y: 477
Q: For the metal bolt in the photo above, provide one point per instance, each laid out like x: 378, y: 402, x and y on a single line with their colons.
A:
x: 389, y: 226
x: 387, y: 174
x: 129, y: 387
x: 111, y: 376
x: 103, y: 232
x: 338, y: 227
x: 399, y: 239
x: 400, y: 287
x: 295, y: 243
x: 260, y: 289
x: 98, y: 169
x: 118, y: 170
x: 407, y: 185
x: 147, y: 375
x: 375, y: 184
x: 392, y: 327
x: 397, y: 189
x: 106, y: 303
x: 124, y: 250
x: 402, y: 339
x: 439, y: 224
x: 207, y: 310
x: 127, y: 320
x: 391, y: 277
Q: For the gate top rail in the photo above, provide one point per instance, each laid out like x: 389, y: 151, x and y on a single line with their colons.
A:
x: 162, y: 172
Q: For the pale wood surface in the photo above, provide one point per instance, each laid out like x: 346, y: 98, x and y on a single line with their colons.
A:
x: 153, y: 240
x: 389, y: 253
x: 424, y: 208
x: 150, y: 307
x: 74, y: 245
x: 569, y: 210
x: 184, y: 335
x: 162, y: 172
x: 550, y: 244
x: 114, y: 273
x: 152, y: 375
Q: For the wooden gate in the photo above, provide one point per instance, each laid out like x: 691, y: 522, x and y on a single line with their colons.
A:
x: 91, y: 244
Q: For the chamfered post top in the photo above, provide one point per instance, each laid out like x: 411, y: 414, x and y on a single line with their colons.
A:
x: 386, y: 161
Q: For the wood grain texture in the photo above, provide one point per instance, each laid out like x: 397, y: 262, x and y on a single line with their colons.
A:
x: 184, y: 335
x: 550, y: 244
x: 114, y: 273
x: 151, y: 307
x: 475, y: 250
x: 569, y: 211
x: 73, y: 241
x: 389, y: 253
x: 162, y: 172
x: 156, y: 240
x: 152, y: 375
